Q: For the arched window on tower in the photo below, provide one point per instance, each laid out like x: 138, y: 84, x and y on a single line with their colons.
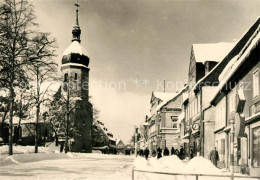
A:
x: 66, y: 77
x: 76, y: 77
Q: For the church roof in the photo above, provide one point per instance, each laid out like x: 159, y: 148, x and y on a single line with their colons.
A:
x: 75, y: 47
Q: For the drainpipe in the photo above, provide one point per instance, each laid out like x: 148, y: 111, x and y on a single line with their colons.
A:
x: 201, y: 145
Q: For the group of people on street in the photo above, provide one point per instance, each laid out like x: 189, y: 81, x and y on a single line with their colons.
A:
x: 180, y: 153
x: 214, y: 157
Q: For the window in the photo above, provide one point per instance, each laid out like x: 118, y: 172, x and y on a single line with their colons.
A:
x: 255, y: 83
x: 76, y: 77
x: 174, y: 121
x: 66, y: 77
x: 256, y: 147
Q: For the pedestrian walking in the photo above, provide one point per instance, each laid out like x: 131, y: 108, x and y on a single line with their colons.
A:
x: 146, y: 153
x: 181, y: 154
x: 159, y: 153
x: 166, y: 152
x: 172, y: 151
x: 191, y: 153
x: 61, y: 146
x: 213, y: 156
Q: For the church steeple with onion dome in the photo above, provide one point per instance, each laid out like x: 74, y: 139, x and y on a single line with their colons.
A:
x: 75, y: 73
x: 75, y: 53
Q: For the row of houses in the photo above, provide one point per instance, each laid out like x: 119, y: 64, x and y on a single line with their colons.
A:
x: 104, y: 141
x: 222, y: 99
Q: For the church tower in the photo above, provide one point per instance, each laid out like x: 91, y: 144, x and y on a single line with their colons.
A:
x: 75, y: 73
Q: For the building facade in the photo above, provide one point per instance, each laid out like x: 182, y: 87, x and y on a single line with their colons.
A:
x: 240, y: 80
x: 204, y: 57
x: 163, y: 128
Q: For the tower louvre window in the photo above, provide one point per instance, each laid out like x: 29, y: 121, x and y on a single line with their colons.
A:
x: 66, y: 77
x: 76, y: 76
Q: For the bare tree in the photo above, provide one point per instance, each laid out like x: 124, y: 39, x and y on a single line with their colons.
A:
x: 44, y: 69
x: 18, y: 48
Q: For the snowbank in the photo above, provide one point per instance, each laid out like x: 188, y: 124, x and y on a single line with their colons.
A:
x: 201, y: 165
x: 173, y: 163
x: 198, y: 165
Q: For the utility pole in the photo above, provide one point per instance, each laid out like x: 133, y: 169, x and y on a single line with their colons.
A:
x: 37, y: 111
x: 136, y: 132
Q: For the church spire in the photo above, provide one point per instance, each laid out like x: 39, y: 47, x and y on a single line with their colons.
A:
x: 76, y: 29
x: 77, y: 13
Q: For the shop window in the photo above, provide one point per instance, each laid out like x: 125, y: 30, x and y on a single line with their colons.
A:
x: 256, y: 147
x: 255, y: 83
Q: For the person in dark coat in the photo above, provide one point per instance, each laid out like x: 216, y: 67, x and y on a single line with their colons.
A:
x: 61, y: 146
x: 141, y: 152
x: 159, y: 153
x: 181, y: 155
x: 146, y: 153
x: 191, y: 153
x: 166, y: 152
x: 172, y: 151
x: 213, y: 156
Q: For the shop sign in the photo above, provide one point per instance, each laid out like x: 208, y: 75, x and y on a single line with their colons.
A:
x: 195, y: 126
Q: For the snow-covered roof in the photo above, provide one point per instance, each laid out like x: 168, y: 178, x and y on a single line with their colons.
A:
x: 236, y: 62
x: 166, y: 100
x: 211, y: 52
x: 112, y: 139
x: 185, y: 96
x: 117, y: 141
x: 75, y: 47
x: 164, y: 96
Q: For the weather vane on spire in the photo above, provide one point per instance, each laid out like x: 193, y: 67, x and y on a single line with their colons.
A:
x: 76, y: 29
x: 77, y: 11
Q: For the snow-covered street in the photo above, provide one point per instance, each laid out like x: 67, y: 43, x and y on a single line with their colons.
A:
x: 74, y: 166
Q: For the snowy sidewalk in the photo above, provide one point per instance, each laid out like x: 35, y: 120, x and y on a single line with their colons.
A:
x: 75, y: 166
x: 173, y: 165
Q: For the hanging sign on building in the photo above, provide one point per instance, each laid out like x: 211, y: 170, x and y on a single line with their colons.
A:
x: 239, y: 125
x: 195, y: 126
x: 240, y: 101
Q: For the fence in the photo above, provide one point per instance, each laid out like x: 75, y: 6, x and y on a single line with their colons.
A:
x: 196, y: 176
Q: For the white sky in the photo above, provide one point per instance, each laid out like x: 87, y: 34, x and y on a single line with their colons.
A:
x: 135, y: 44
